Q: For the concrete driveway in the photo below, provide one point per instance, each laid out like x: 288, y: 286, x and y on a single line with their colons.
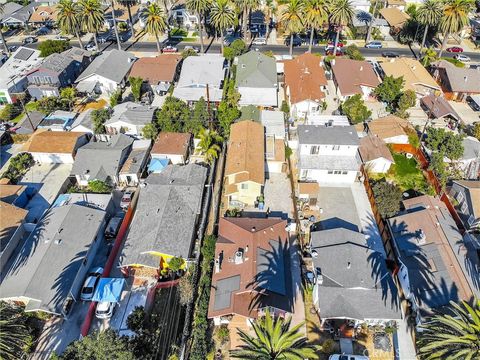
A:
x: 466, y: 113
x: 277, y: 193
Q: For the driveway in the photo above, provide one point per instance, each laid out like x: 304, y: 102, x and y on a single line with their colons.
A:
x: 277, y: 198
x: 465, y: 112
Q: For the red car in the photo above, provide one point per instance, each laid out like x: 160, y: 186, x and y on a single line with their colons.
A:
x: 169, y: 49
x: 330, y: 52
x: 455, y: 49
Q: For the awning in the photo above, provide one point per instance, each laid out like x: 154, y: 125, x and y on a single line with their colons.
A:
x: 86, y: 86
x: 109, y: 289
x: 157, y: 165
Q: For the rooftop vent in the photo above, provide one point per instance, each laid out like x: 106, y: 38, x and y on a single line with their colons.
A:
x: 349, y: 265
x: 253, y: 229
x: 239, y: 257
x: 58, y: 241
x: 421, y: 238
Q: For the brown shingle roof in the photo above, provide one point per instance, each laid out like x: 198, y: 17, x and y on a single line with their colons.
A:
x: 413, y: 73
x: 156, y: 69
x: 52, y: 142
x: 9, y: 192
x: 350, y: 74
x: 172, y: 143
x: 246, y: 151
x: 388, y: 126
x: 304, y: 75
x: 372, y: 147
x: 10, y: 219
x: 439, y: 106
x: 394, y: 16
x: 44, y: 13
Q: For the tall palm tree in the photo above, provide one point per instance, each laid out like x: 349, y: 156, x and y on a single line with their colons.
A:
x: 5, y: 46
x: 341, y: 15
x: 454, y: 19
x: 274, y: 340
x: 316, y: 14
x: 91, y: 17
x: 199, y: 7
x: 209, y: 144
x: 428, y: 14
x: 292, y: 17
x: 271, y: 8
x: 115, y: 28
x: 129, y: 4
x: 455, y: 336
x: 246, y: 6
x: 14, y: 333
x: 68, y: 18
x: 155, y: 21
x: 222, y: 16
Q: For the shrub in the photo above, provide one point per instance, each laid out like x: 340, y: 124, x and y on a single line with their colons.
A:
x: 387, y: 197
x: 18, y: 167
x: 176, y: 263
x: 99, y: 187
x: 223, y: 334
x: 353, y: 52
x: 328, y: 346
x: 9, y: 112
x: 49, y: 47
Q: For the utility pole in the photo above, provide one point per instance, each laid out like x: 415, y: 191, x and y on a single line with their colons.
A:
x: 208, y: 108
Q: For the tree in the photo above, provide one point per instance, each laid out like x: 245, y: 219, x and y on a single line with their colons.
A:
x: 115, y: 98
x: 316, y: 15
x: 150, y: 131
x: 437, y: 165
x: 91, y: 17
x: 236, y: 48
x: 68, y: 19
x: 129, y: 4
x: 9, y: 112
x: 18, y: 167
x: 99, y: 187
x: 341, y: 15
x: 387, y: 198
x: 136, y: 319
x: 429, y: 56
x: 227, y: 111
x: 476, y: 130
x: 199, y: 7
x: 173, y: 115
x: 428, y: 14
x: 454, y: 336
x: 176, y: 263
x: 49, y: 47
x: 99, y: 117
x: 200, y: 114
x: 188, y: 52
x: 446, y: 142
x: 292, y: 16
x: 353, y: 52
x: 209, y: 144
x: 155, y: 21
x: 5, y: 46
x: 454, y: 19
x: 50, y: 104
x: 389, y: 90
x: 356, y: 111
x: 274, y: 339
x: 99, y: 345
x: 246, y: 6
x: 405, y: 102
x: 222, y: 16
x: 15, y: 334
x: 69, y: 94
x: 136, y: 87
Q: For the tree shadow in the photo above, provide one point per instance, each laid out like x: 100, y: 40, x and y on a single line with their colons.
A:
x: 471, y: 259
x: 334, y: 223
x: 383, y: 277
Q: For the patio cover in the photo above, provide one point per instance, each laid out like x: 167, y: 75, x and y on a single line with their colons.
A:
x: 86, y: 86
x: 157, y: 165
x: 109, y: 289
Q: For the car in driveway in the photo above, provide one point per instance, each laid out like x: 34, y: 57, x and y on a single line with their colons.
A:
x: 126, y: 199
x: 373, y: 45
x: 30, y: 40
x: 472, y: 104
x: 42, y: 31
x: 390, y: 54
x: 455, y: 49
x: 461, y: 57
x: 90, y: 284
x: 104, y: 310
x: 169, y: 49
x: 113, y: 226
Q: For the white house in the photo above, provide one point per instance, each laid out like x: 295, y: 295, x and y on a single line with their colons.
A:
x: 129, y: 118
x: 180, y: 16
x: 375, y: 154
x: 175, y: 147
x: 135, y: 164
x: 328, y: 154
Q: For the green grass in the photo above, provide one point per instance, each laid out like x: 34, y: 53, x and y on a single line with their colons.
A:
x: 178, y: 32
x: 455, y: 62
x: 189, y: 39
x: 406, y: 174
x: 17, y: 118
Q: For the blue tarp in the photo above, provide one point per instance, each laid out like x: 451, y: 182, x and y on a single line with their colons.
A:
x: 157, y: 165
x: 109, y: 289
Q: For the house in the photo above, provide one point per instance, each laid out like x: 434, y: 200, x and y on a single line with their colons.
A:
x: 83, y: 122
x: 28, y: 123
x: 391, y: 129
x: 352, y: 280
x: 245, y: 164
x: 306, y: 85
x: 251, y: 272
x: 175, y: 147
x: 199, y: 73
x: 54, y: 147
x: 159, y: 72
x: 180, y: 16
x: 44, y: 16
x: 134, y: 167
x: 101, y: 160
x: 12, y: 229
x: 165, y: 221
x: 106, y: 73
x: 8, y: 9
x: 59, y: 120
x: 436, y: 265
x: 416, y: 77
x: 457, y: 83
x: 18, y: 18
x: 48, y: 273
x: 57, y: 71
x: 328, y: 154
x: 256, y: 80
x: 375, y: 154
x: 467, y: 196
x: 353, y: 77
x: 470, y: 160
x: 275, y: 161
x: 13, y: 77
x: 437, y: 107
x: 272, y: 120
x: 399, y: 4
x: 129, y: 118
x: 395, y: 18
x: 121, y: 14
x: 327, y: 120
x: 13, y: 194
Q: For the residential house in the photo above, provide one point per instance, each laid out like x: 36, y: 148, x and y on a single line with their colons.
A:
x: 251, y: 273
x: 165, y: 221
x: 180, y: 16
x: 101, y: 160
x: 375, y: 154
x: 44, y: 16
x: 121, y: 14
x: 176, y: 147
x: 416, y: 77
x: 399, y: 4
x: 327, y: 120
x: 57, y: 71
x: 457, y: 83
x: 328, y: 154
x: 106, y: 73
x: 467, y: 196
x: 54, y: 147
x: 134, y: 167
x: 48, y: 273
x: 59, y: 120
x: 159, y: 72
x: 352, y: 280
x: 436, y: 265
x: 470, y: 160
x: 12, y: 229
x: 129, y: 118
x: 8, y: 9
x: 13, y: 77
x: 437, y: 107
x: 245, y: 164
x: 353, y: 77
x: 391, y: 129
x: 306, y: 85
x: 199, y: 73
x: 256, y: 80
x: 83, y: 122
x: 395, y: 18
x: 28, y: 123
x: 272, y: 120
x: 18, y: 18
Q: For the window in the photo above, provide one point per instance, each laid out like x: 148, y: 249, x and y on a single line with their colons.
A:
x: 314, y: 150
x: 337, y: 172
x: 460, y: 197
x: 464, y: 207
x: 244, y: 186
x: 470, y: 220
x: 336, y: 147
x: 344, y: 172
x: 330, y: 172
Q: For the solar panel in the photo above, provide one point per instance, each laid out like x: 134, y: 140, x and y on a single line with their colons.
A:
x: 223, y: 292
x: 23, y: 54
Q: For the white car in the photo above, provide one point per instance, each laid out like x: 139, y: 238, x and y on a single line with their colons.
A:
x: 90, y: 47
x: 461, y: 57
x: 104, y: 310
x: 90, y: 284
x: 259, y: 41
x: 126, y: 199
x: 348, y: 357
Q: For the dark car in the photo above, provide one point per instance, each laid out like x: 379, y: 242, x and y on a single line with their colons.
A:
x: 30, y: 40
x: 455, y: 49
x: 390, y: 54
x: 473, y: 104
x: 297, y: 41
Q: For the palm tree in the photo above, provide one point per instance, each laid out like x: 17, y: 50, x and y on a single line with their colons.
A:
x: 455, y: 336
x: 68, y: 18
x: 316, y: 14
x: 15, y: 334
x: 341, y: 15
x: 274, y: 340
x: 246, y: 6
x: 429, y: 56
x: 91, y: 17
x: 271, y: 8
x: 209, y: 144
x: 2, y: 8
x: 222, y: 16
x: 428, y: 14
x: 155, y: 21
x: 199, y: 7
x: 292, y: 17
x: 115, y: 28
x: 129, y: 4
x: 455, y: 18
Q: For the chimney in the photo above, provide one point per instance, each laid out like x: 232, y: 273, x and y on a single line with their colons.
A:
x: 465, y: 78
x: 349, y: 265
x: 217, y: 266
x: 361, y: 68
x: 254, y: 229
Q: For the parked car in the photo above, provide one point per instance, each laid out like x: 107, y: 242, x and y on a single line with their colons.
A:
x: 340, y: 51
x: 42, y: 31
x: 461, y: 57
x: 473, y: 104
x: 169, y: 49
x: 126, y: 199
x: 62, y: 38
x: 90, y: 47
x: 297, y: 41
x: 113, y: 226
x: 374, y: 45
x: 30, y: 40
x: 12, y: 48
x: 104, y: 310
x: 455, y: 49
x: 390, y: 54
x: 189, y: 47
x: 348, y: 357
x: 90, y: 284
x: 259, y: 41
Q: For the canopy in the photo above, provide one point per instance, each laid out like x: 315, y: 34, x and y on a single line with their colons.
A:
x: 109, y: 289
x: 86, y: 86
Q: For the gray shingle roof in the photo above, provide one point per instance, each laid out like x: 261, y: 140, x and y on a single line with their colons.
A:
x: 256, y: 70
x: 327, y: 135
x: 84, y: 119
x: 10, y: 8
x: 461, y: 79
x: 113, y: 65
x: 132, y: 113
